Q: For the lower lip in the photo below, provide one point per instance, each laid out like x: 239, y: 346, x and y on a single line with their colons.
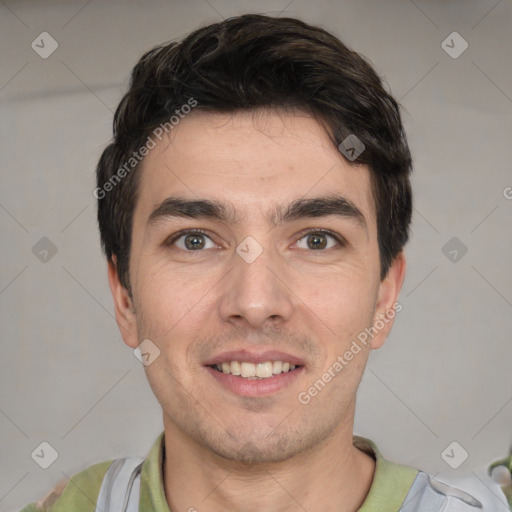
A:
x: 255, y: 387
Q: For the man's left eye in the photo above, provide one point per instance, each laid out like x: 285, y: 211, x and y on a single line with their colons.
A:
x: 318, y: 240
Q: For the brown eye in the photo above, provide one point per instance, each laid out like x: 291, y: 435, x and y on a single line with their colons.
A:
x: 319, y: 240
x: 192, y: 241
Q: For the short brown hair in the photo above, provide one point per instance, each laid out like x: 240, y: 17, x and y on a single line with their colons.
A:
x: 247, y: 63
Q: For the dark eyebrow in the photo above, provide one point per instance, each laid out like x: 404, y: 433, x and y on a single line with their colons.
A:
x: 321, y: 207
x: 300, y: 208
x: 194, y: 209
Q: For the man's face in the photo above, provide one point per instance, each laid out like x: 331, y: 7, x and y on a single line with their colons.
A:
x: 269, y: 277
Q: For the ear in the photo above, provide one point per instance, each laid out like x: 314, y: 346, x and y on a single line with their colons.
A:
x: 125, y: 311
x: 387, y: 305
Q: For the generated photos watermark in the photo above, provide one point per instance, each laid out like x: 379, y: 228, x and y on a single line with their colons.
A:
x: 304, y: 397
x: 137, y: 156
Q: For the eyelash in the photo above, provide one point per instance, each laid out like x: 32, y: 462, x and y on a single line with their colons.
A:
x: 341, y: 241
x: 197, y: 231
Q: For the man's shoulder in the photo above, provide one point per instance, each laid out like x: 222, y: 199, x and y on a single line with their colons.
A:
x: 412, y: 490
x: 79, y: 492
x: 427, y: 494
x: 391, y: 480
x: 474, y: 493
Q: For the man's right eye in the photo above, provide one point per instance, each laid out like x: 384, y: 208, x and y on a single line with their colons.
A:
x: 192, y: 240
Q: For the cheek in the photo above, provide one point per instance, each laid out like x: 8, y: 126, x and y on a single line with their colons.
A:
x: 174, y: 309
x: 342, y: 300
x: 168, y: 301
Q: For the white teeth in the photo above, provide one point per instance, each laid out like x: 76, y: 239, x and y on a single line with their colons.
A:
x: 277, y: 367
x: 247, y: 369
x: 264, y: 370
x: 255, y: 371
x: 235, y: 368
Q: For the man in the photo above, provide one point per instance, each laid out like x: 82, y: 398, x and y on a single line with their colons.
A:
x: 253, y: 207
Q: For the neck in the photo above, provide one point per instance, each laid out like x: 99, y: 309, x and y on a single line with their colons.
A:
x: 334, y: 476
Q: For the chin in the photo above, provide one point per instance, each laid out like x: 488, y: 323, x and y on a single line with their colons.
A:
x: 261, y: 447
x: 254, y: 453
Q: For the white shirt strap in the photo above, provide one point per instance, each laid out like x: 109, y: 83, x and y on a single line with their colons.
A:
x: 121, y: 486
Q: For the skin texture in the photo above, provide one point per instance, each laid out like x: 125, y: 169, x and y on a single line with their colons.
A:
x: 268, y: 452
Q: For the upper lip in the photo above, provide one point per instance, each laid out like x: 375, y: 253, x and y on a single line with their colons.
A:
x: 254, y: 356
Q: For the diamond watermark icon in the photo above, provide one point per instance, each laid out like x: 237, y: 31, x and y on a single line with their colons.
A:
x: 44, y: 250
x: 249, y: 250
x: 454, y: 45
x: 454, y: 455
x: 44, y: 455
x: 351, y: 147
x: 44, y: 45
x: 146, y: 352
x: 454, y: 249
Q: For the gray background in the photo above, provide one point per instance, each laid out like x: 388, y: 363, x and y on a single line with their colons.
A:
x: 67, y: 378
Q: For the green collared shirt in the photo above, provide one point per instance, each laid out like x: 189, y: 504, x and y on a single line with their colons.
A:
x: 390, y: 485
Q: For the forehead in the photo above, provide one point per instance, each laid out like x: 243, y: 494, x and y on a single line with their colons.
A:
x: 252, y: 161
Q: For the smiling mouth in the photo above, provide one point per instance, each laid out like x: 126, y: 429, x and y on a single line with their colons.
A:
x: 248, y: 370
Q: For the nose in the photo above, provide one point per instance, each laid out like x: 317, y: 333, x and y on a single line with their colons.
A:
x: 256, y: 293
